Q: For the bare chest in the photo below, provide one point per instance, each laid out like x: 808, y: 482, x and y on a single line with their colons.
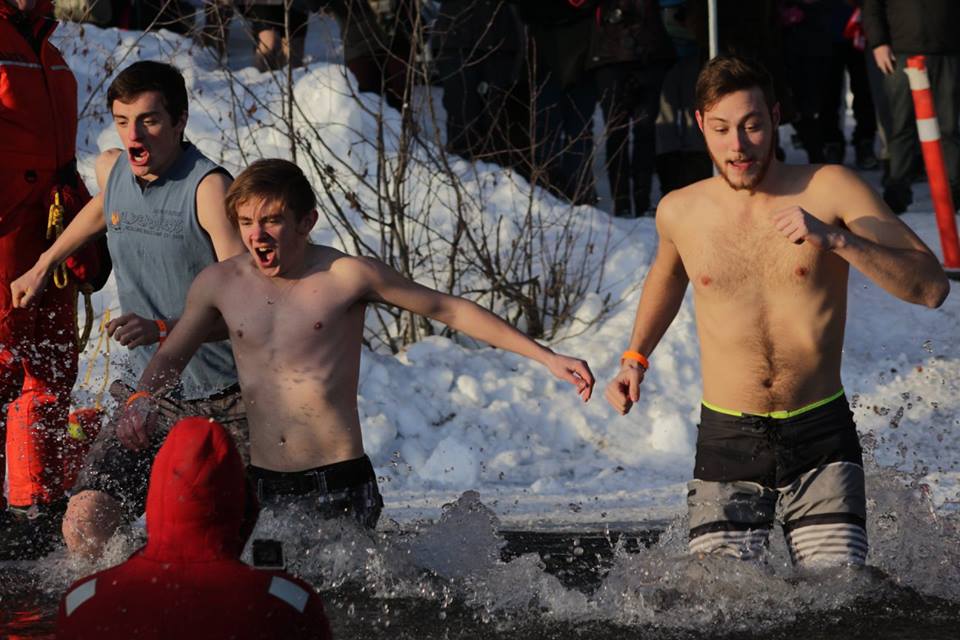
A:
x: 750, y: 258
x: 289, y: 321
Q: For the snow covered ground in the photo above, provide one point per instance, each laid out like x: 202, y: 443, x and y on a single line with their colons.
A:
x: 441, y: 418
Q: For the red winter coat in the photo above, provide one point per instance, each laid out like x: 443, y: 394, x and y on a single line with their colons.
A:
x: 38, y: 131
x: 188, y: 581
x: 38, y: 103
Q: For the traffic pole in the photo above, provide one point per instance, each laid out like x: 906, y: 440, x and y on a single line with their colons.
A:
x: 929, y: 131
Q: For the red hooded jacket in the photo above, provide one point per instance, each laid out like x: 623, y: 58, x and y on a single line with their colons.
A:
x: 39, y: 118
x: 188, y: 581
x: 38, y: 131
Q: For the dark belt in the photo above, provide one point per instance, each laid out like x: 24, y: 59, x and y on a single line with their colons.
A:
x: 333, y: 477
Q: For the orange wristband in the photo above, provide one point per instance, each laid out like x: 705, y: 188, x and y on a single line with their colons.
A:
x: 162, y: 328
x: 136, y: 395
x: 638, y: 357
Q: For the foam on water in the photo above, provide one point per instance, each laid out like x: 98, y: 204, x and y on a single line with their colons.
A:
x: 455, y: 565
x: 457, y: 559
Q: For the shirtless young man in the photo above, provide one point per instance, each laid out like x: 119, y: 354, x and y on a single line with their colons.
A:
x: 768, y: 247
x: 161, y: 204
x: 294, y: 312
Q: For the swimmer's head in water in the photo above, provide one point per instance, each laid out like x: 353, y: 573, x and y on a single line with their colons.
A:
x: 738, y: 114
x: 274, y: 207
x: 148, y: 101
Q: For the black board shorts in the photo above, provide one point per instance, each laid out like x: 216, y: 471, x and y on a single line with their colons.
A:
x: 342, y: 489
x: 803, y: 468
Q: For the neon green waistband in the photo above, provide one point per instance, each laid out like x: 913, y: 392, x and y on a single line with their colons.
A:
x: 776, y: 414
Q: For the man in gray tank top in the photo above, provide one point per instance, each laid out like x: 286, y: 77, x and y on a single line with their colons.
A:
x: 161, y: 205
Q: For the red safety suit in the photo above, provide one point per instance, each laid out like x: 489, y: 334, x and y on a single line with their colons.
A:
x: 38, y: 352
x: 188, y: 581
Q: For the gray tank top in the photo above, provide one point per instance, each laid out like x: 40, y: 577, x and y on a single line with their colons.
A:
x: 158, y: 247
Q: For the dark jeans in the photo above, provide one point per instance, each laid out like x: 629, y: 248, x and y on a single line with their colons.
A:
x: 564, y: 142
x: 630, y: 99
x: 806, y: 81
x: 476, y: 86
x: 904, y: 145
x: 847, y: 58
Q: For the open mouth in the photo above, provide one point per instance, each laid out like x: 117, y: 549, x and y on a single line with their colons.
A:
x: 741, y: 165
x: 266, y: 256
x: 138, y: 155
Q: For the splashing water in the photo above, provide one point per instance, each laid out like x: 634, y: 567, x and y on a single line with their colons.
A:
x: 462, y: 577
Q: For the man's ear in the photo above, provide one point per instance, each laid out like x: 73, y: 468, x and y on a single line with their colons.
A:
x: 181, y: 124
x: 699, y: 118
x: 775, y: 115
x: 307, y: 222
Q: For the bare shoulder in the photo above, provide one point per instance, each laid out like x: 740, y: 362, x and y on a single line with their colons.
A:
x: 682, y: 206
x: 844, y: 192
x: 104, y: 165
x: 214, y: 185
x: 218, y: 276
x: 832, y: 180
x: 357, y: 269
x: 831, y: 176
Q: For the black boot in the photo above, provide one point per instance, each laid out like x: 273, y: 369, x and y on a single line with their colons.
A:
x: 28, y: 533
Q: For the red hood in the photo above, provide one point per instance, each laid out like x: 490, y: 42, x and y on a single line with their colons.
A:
x: 198, y: 506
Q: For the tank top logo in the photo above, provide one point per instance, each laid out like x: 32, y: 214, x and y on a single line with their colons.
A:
x: 159, y: 223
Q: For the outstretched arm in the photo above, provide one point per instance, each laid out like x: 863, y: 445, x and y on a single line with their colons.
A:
x: 163, y: 370
x: 660, y: 300
x: 383, y: 284
x: 872, y: 239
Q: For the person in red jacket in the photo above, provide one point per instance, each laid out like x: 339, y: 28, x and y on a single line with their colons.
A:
x: 188, y: 581
x: 38, y: 350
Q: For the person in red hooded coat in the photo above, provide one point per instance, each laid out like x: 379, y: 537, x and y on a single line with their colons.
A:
x: 38, y: 350
x: 188, y: 581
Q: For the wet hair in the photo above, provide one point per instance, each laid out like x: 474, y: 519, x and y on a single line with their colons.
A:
x: 272, y: 180
x: 148, y: 75
x: 724, y: 75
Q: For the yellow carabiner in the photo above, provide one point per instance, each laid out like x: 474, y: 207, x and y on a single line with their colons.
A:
x: 54, y: 229
x: 55, y: 218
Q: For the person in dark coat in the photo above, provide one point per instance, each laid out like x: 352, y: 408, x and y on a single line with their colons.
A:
x: 848, y: 56
x: 188, y: 581
x: 480, y: 53
x: 629, y: 55
x: 897, y: 29
x: 808, y: 47
x: 682, y: 157
x: 563, y: 94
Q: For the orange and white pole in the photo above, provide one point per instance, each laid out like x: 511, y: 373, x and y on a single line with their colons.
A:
x: 929, y: 131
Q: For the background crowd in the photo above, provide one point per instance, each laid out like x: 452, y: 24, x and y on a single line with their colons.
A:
x: 522, y: 79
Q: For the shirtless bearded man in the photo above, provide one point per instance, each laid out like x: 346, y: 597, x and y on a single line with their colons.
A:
x: 768, y: 247
x: 294, y: 312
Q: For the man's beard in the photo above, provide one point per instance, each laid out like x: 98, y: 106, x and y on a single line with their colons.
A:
x: 749, y: 182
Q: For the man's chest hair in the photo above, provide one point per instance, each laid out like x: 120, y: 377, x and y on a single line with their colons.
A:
x: 747, y: 257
